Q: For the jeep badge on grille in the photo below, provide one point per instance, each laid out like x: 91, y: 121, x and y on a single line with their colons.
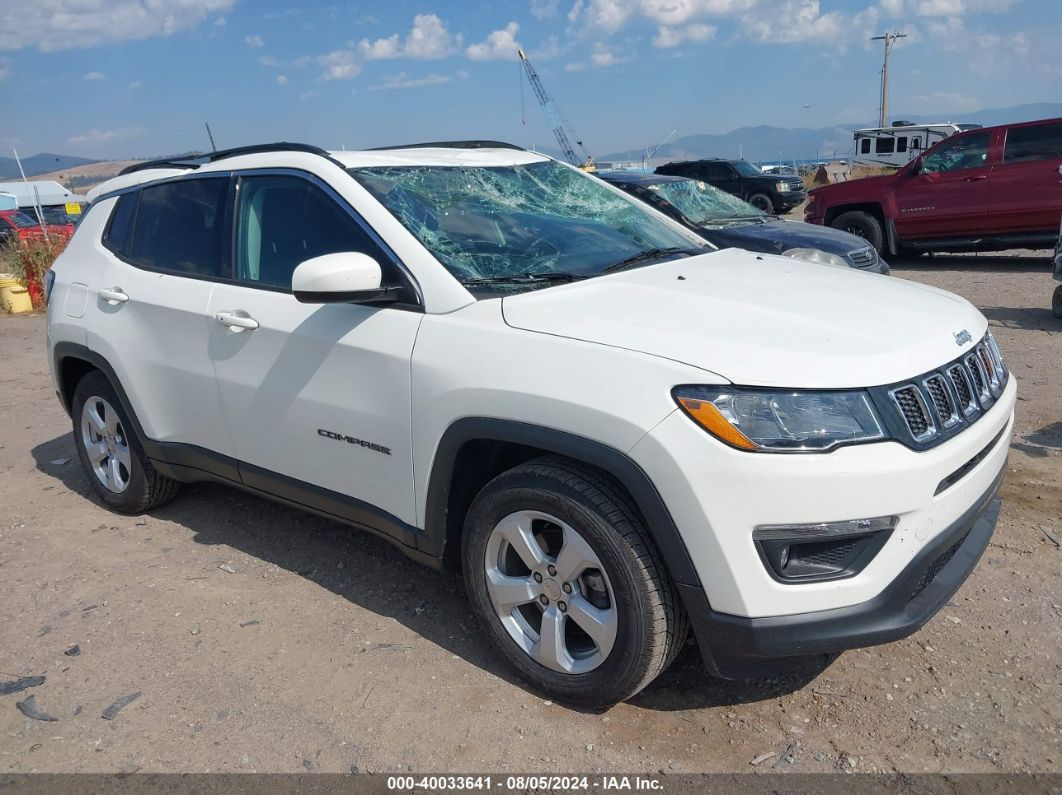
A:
x: 962, y: 337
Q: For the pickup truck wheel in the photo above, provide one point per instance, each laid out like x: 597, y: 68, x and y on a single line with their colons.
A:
x: 861, y: 224
x: 118, y: 470
x: 1056, y: 302
x: 761, y: 201
x: 564, y: 579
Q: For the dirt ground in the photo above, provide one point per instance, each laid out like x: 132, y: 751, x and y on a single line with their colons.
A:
x: 263, y: 639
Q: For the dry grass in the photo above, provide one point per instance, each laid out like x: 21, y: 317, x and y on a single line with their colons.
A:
x: 29, y: 259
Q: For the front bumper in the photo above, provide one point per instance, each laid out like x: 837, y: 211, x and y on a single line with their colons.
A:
x: 791, y: 198
x: 739, y: 648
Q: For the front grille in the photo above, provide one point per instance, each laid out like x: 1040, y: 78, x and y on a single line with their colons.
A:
x: 935, y: 567
x: 976, y: 369
x: 960, y: 382
x: 915, y: 413
x: 941, y: 403
x: 862, y: 257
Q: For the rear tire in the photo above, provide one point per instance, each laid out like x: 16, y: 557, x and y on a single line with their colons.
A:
x: 761, y: 201
x: 1056, y: 302
x: 531, y: 524
x: 114, y: 461
x: 861, y: 224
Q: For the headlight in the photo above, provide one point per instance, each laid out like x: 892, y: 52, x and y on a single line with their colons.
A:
x: 781, y: 421
x: 817, y: 256
x: 781, y: 187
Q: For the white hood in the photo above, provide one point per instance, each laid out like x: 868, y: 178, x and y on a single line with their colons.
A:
x: 761, y: 320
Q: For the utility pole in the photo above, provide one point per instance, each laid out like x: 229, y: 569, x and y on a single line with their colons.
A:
x: 890, y: 40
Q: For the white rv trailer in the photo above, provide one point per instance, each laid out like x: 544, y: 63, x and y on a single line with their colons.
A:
x: 897, y: 145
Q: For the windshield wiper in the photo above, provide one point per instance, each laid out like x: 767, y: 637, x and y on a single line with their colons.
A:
x: 651, y: 254
x: 525, y: 278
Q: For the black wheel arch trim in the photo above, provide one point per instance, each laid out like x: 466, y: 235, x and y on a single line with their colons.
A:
x: 658, y: 519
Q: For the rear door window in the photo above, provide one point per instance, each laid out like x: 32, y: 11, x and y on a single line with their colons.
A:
x: 180, y: 227
x: 1042, y: 142
x: 720, y: 171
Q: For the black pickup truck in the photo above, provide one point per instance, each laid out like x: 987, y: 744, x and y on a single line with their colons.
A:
x: 772, y: 193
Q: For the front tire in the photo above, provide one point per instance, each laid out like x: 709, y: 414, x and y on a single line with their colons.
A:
x: 563, y: 577
x: 861, y: 224
x: 762, y: 202
x: 1056, y: 302
x: 114, y: 461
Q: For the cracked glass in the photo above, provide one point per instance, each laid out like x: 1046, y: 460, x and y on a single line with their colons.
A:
x: 703, y: 204
x: 520, y: 221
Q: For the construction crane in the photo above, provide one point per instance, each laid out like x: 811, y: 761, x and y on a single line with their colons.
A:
x: 562, y: 128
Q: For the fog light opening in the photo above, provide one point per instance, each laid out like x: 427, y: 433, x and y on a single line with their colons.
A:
x: 821, y: 551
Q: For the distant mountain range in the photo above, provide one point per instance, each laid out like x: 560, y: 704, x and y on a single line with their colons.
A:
x: 763, y: 144
x: 44, y: 163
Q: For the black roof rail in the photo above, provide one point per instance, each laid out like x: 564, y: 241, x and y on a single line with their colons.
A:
x: 453, y: 145
x: 195, y: 161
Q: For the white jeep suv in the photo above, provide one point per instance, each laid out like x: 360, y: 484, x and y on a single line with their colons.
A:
x: 507, y: 367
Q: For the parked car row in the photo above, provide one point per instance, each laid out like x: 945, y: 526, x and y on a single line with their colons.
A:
x: 24, y: 226
x: 726, y: 221
x: 985, y: 189
x: 616, y: 432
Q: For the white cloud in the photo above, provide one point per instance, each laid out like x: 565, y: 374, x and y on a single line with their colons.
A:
x: 672, y: 37
x: 796, y: 21
x: 67, y: 24
x: 946, y: 8
x: 427, y: 40
x: 220, y: 22
x: 103, y: 136
x: 282, y: 80
x: 401, y: 80
x: 95, y: 76
x: 254, y: 41
x: 5, y: 68
x: 544, y: 9
x: 339, y: 65
x: 943, y: 102
x: 500, y: 45
x: 603, y: 56
x: 574, y: 67
x: 135, y: 85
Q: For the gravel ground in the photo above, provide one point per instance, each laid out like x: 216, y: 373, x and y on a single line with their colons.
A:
x: 263, y: 639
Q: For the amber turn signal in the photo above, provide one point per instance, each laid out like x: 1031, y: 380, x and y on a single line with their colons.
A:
x: 712, y: 420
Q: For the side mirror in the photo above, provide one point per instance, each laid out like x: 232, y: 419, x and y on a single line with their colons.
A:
x: 347, y: 277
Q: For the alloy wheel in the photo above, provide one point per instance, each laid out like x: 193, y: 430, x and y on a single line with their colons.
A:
x: 550, y: 591
x: 106, y: 444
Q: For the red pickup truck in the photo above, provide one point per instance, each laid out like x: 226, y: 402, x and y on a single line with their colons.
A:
x: 987, y: 189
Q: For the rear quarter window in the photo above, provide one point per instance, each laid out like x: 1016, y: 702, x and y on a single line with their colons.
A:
x: 116, y: 235
x: 1042, y: 142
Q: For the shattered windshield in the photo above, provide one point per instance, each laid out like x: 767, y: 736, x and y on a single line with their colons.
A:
x: 531, y: 221
x: 702, y: 203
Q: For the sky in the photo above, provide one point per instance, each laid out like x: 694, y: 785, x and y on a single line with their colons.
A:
x: 138, y: 78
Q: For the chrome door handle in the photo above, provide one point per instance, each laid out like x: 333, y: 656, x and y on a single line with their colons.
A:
x: 113, y: 295
x: 236, y: 322
x: 978, y: 178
